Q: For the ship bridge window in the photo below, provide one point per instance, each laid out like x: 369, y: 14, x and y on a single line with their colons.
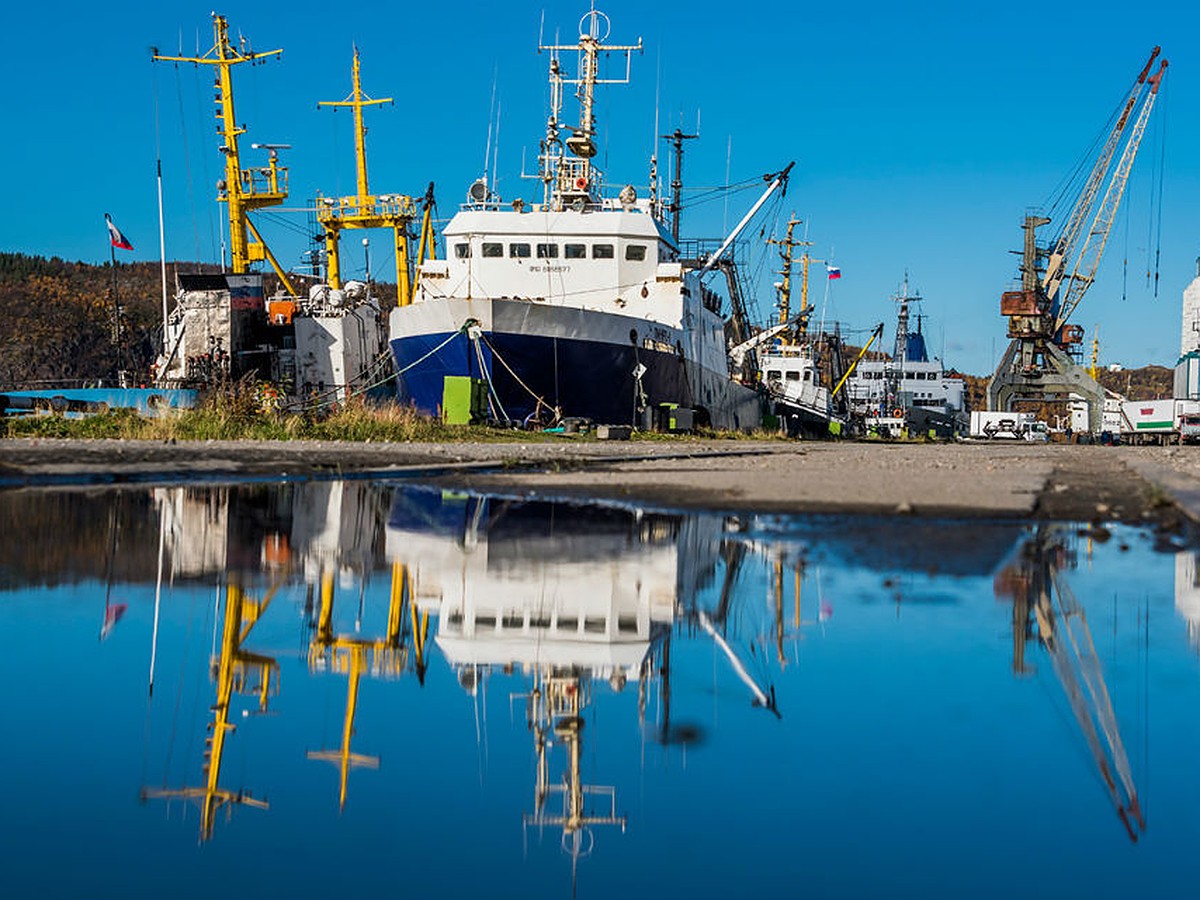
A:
x: 575, y: 251
x: 602, y: 251
x: 493, y: 251
x: 518, y: 251
x: 772, y: 375
x: 462, y: 251
x: 547, y: 251
x: 635, y: 252
x: 793, y: 376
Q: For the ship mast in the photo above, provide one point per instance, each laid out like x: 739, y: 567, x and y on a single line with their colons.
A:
x: 785, y: 286
x: 365, y: 210
x: 676, y: 139
x: 568, y: 176
x: 244, y: 190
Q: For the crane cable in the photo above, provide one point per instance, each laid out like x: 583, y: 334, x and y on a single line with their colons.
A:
x: 1156, y: 191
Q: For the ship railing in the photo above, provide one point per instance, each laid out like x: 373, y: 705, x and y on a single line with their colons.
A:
x: 696, y: 251
x: 377, y: 207
x: 265, y: 181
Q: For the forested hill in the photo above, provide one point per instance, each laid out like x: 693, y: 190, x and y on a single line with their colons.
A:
x: 59, y: 318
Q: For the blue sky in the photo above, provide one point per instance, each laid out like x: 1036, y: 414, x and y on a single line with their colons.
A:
x: 921, y: 132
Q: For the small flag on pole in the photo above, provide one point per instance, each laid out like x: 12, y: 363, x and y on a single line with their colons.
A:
x: 833, y: 271
x: 114, y: 234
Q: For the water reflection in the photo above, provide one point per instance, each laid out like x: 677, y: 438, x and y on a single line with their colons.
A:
x: 632, y: 664
x: 1045, y: 605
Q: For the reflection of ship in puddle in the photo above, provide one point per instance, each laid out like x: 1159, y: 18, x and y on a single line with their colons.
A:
x: 322, y: 531
x: 575, y: 599
x: 1042, y: 599
x: 1187, y: 594
x: 235, y: 670
x: 571, y: 598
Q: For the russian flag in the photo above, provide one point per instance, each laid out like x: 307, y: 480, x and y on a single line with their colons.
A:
x: 114, y: 234
x: 834, y: 272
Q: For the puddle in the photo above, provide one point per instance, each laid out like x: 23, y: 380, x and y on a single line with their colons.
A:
x: 376, y: 688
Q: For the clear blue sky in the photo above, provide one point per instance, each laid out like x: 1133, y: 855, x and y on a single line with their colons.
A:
x: 922, y: 132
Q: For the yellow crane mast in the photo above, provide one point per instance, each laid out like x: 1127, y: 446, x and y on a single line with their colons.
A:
x: 244, y: 190
x: 365, y: 210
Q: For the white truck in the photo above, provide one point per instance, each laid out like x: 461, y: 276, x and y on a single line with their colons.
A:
x: 1007, y: 426
x: 1156, y: 421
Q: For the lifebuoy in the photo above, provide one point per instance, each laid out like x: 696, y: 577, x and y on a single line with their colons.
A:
x: 898, y: 412
x: 581, y: 183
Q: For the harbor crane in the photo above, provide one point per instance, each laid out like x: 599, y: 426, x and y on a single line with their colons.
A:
x: 1038, y: 364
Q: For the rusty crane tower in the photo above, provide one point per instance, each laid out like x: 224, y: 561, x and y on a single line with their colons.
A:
x: 1038, y: 364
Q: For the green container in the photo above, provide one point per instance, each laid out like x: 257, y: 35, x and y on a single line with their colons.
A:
x: 464, y: 400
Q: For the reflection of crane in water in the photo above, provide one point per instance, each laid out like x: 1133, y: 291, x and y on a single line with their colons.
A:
x: 1036, y: 584
x: 234, y: 670
x: 734, y: 553
x: 385, y: 657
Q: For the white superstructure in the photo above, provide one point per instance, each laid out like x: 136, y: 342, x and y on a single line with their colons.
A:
x: 579, y: 305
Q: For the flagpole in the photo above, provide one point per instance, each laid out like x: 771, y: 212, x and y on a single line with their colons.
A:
x: 112, y: 255
x: 162, y: 257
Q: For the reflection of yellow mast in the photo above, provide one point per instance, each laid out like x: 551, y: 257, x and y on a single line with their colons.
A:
x: 778, y: 592
x: 365, y: 210
x: 243, y: 189
x: 235, y: 670
x: 351, y: 655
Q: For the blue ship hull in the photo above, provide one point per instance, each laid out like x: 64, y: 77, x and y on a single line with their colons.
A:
x: 533, y: 375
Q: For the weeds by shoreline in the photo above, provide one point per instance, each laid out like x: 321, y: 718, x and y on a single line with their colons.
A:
x: 237, y: 416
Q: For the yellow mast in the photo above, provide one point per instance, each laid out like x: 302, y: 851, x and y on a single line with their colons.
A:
x: 243, y: 190
x: 365, y: 210
x: 785, y: 286
x: 1095, y: 351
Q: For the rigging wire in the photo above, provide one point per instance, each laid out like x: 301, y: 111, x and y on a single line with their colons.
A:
x: 1071, y: 185
x: 187, y: 162
x: 205, y: 172
x: 1158, y: 186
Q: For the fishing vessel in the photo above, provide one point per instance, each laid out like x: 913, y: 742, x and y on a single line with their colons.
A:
x: 802, y: 373
x: 579, y: 305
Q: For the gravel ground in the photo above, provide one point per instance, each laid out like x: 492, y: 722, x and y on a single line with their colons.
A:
x: 973, y: 480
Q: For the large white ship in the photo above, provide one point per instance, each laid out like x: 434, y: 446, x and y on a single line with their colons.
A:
x: 580, y: 305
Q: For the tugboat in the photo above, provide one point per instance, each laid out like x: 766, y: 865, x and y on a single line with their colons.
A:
x: 579, y: 306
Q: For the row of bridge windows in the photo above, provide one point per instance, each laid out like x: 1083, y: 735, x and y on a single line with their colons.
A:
x: 495, y: 250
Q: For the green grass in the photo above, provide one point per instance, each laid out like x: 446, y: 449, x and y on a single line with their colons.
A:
x: 235, y: 415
